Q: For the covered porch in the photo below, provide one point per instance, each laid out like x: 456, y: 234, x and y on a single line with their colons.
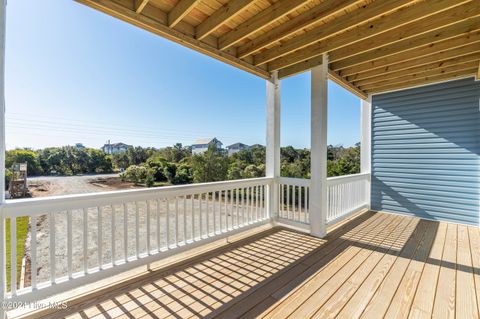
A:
x: 375, y: 265
x: 288, y: 247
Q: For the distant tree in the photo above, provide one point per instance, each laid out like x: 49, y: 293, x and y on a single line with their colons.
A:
x: 348, y: 162
x: 24, y: 156
x: 170, y: 170
x: 8, y: 176
x: 210, y: 167
x: 98, y: 162
x: 183, y: 174
x: 253, y: 171
x: 132, y: 156
x: 235, y: 170
x: 68, y: 160
x: 135, y: 173
x: 175, y: 153
x: 157, y: 164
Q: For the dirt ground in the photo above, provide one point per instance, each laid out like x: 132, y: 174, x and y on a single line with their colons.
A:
x: 43, y: 186
x: 165, y: 223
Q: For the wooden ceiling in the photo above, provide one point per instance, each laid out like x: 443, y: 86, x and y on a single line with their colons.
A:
x: 372, y: 45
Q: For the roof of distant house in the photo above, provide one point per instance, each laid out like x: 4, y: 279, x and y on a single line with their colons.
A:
x: 202, y: 141
x: 237, y: 145
x: 117, y: 145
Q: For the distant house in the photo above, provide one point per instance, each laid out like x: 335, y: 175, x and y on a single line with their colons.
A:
x: 115, y: 148
x: 237, y: 147
x: 257, y: 146
x: 79, y: 146
x: 201, y: 146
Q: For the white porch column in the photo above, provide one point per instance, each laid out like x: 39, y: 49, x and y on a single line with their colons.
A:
x: 3, y: 4
x: 365, y: 141
x: 318, y: 170
x: 273, y: 141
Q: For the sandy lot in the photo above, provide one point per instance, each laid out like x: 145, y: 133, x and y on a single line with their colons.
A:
x: 191, y: 214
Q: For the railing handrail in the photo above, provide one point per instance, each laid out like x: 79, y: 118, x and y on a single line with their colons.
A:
x: 33, y: 206
x: 346, y: 178
x: 294, y: 181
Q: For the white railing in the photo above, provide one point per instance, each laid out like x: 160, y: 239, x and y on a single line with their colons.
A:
x: 83, y: 238
x: 346, y: 195
x: 78, y: 239
x: 293, y: 199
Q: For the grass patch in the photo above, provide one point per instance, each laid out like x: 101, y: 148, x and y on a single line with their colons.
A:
x: 22, y: 232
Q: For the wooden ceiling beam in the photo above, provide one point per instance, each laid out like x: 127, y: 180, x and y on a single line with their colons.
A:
x: 140, y: 5
x: 398, y: 20
x: 333, y: 76
x: 418, y: 69
x: 302, y: 21
x: 300, y: 67
x: 394, y: 50
x: 466, y: 44
x: 423, y: 71
x: 359, y: 16
x: 229, y: 11
x: 274, y: 12
x: 423, y: 75
x: 155, y: 26
x: 423, y: 81
x: 180, y: 11
x: 373, y: 48
x: 424, y: 60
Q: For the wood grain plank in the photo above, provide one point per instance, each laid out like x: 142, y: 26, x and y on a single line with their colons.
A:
x: 474, y: 236
x: 229, y: 11
x: 308, y: 308
x: 274, y: 12
x: 300, y: 295
x: 466, y: 299
x: 422, y: 305
x: 379, y: 303
x: 389, y: 246
x: 444, y: 306
x: 361, y: 298
x: 402, y: 300
x: 279, y: 288
x: 403, y: 21
x: 182, y: 8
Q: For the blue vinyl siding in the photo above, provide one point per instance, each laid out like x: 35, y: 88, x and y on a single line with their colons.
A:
x: 426, y: 151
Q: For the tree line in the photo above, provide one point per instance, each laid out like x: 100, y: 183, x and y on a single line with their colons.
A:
x: 176, y: 164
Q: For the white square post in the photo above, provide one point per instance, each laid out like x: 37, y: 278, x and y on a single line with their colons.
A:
x: 365, y: 142
x: 318, y: 170
x: 3, y: 276
x: 273, y: 142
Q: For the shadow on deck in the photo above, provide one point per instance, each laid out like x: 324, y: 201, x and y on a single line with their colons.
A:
x: 377, y: 264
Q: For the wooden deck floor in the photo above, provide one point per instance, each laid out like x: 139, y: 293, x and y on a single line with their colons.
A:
x: 378, y: 265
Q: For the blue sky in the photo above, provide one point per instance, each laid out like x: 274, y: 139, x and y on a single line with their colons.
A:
x: 77, y: 75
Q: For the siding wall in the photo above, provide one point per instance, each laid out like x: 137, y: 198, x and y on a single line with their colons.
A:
x: 426, y: 151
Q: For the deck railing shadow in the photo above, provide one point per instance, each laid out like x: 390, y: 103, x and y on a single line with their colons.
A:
x: 249, y: 276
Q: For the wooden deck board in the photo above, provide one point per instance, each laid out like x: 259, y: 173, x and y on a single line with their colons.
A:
x: 338, y: 300
x: 444, y: 306
x: 377, y: 265
x: 422, y: 306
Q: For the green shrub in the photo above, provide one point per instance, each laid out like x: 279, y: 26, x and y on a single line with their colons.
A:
x: 8, y: 176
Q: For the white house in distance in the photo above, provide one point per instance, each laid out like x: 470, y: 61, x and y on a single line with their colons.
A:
x: 237, y: 147
x: 201, y: 145
x: 115, y: 148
